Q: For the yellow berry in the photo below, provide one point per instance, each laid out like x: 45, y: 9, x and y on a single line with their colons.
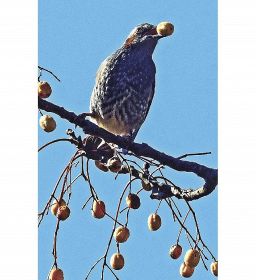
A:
x: 186, y: 270
x: 63, y: 213
x: 192, y: 257
x: 165, y: 28
x: 154, y: 222
x: 133, y: 201
x: 175, y: 251
x: 102, y: 166
x: 98, y: 209
x: 56, y: 274
x: 47, y: 123
x: 114, y: 164
x: 146, y: 185
x: 214, y: 268
x: 56, y: 205
x: 44, y: 89
x: 121, y: 234
x: 117, y: 261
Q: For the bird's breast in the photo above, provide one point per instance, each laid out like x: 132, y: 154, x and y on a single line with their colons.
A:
x: 123, y: 92
x: 113, y: 125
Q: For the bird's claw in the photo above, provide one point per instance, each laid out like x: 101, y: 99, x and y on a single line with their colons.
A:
x: 122, y: 151
x: 81, y: 117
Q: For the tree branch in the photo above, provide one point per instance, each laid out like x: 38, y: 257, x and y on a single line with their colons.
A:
x: 209, y: 175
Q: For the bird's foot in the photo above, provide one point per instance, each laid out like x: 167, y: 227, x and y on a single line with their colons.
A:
x: 129, y: 141
x: 82, y: 117
x: 122, y: 151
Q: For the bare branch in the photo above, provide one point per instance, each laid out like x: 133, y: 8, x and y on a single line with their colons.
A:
x: 50, y: 72
x: 210, y: 175
x: 194, y: 154
x: 55, y: 141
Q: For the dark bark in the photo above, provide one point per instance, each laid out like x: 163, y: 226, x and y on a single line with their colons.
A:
x: 210, y: 175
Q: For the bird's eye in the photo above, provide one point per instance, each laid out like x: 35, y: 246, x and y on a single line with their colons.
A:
x: 143, y: 32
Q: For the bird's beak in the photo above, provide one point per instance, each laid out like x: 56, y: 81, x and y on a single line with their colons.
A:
x: 153, y: 32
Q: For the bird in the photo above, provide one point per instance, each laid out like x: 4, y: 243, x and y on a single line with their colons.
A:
x: 125, y: 84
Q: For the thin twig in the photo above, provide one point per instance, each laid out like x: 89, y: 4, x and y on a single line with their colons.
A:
x: 187, y: 231
x: 50, y: 72
x: 181, y: 228
x: 55, y: 141
x: 113, y: 219
x: 175, y: 205
x: 73, y: 181
x: 198, y: 231
x: 87, y: 178
x: 40, y: 112
x: 113, y: 230
x: 88, y: 274
x: 54, y: 250
x: 52, y: 196
x: 159, y: 203
x: 87, y: 202
x: 127, y: 217
x: 112, y: 271
x: 41, y: 215
x: 194, y: 154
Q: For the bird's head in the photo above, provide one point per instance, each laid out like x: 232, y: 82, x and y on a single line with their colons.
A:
x: 144, y: 36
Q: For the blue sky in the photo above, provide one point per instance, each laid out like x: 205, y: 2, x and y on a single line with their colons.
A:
x: 74, y: 37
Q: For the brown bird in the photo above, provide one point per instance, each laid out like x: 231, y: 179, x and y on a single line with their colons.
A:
x: 125, y: 83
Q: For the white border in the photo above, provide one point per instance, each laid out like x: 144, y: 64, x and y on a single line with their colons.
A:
x: 237, y: 145
x: 18, y: 148
x: 237, y: 90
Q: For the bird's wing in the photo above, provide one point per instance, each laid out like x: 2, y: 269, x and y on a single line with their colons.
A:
x: 124, y: 90
x: 149, y: 94
x: 150, y: 97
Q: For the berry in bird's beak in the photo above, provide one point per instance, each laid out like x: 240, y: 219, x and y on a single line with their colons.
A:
x: 164, y: 29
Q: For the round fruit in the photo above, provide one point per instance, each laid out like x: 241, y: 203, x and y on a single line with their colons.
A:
x: 63, y: 212
x: 56, y: 274
x: 98, y: 209
x: 121, y: 234
x: 114, y: 164
x: 133, y: 201
x: 56, y: 205
x: 175, y: 251
x: 146, y: 186
x: 117, y: 261
x: 165, y: 28
x: 102, y: 166
x: 192, y: 257
x: 44, y: 89
x: 47, y: 123
x: 186, y: 270
x: 154, y: 222
x: 214, y: 268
